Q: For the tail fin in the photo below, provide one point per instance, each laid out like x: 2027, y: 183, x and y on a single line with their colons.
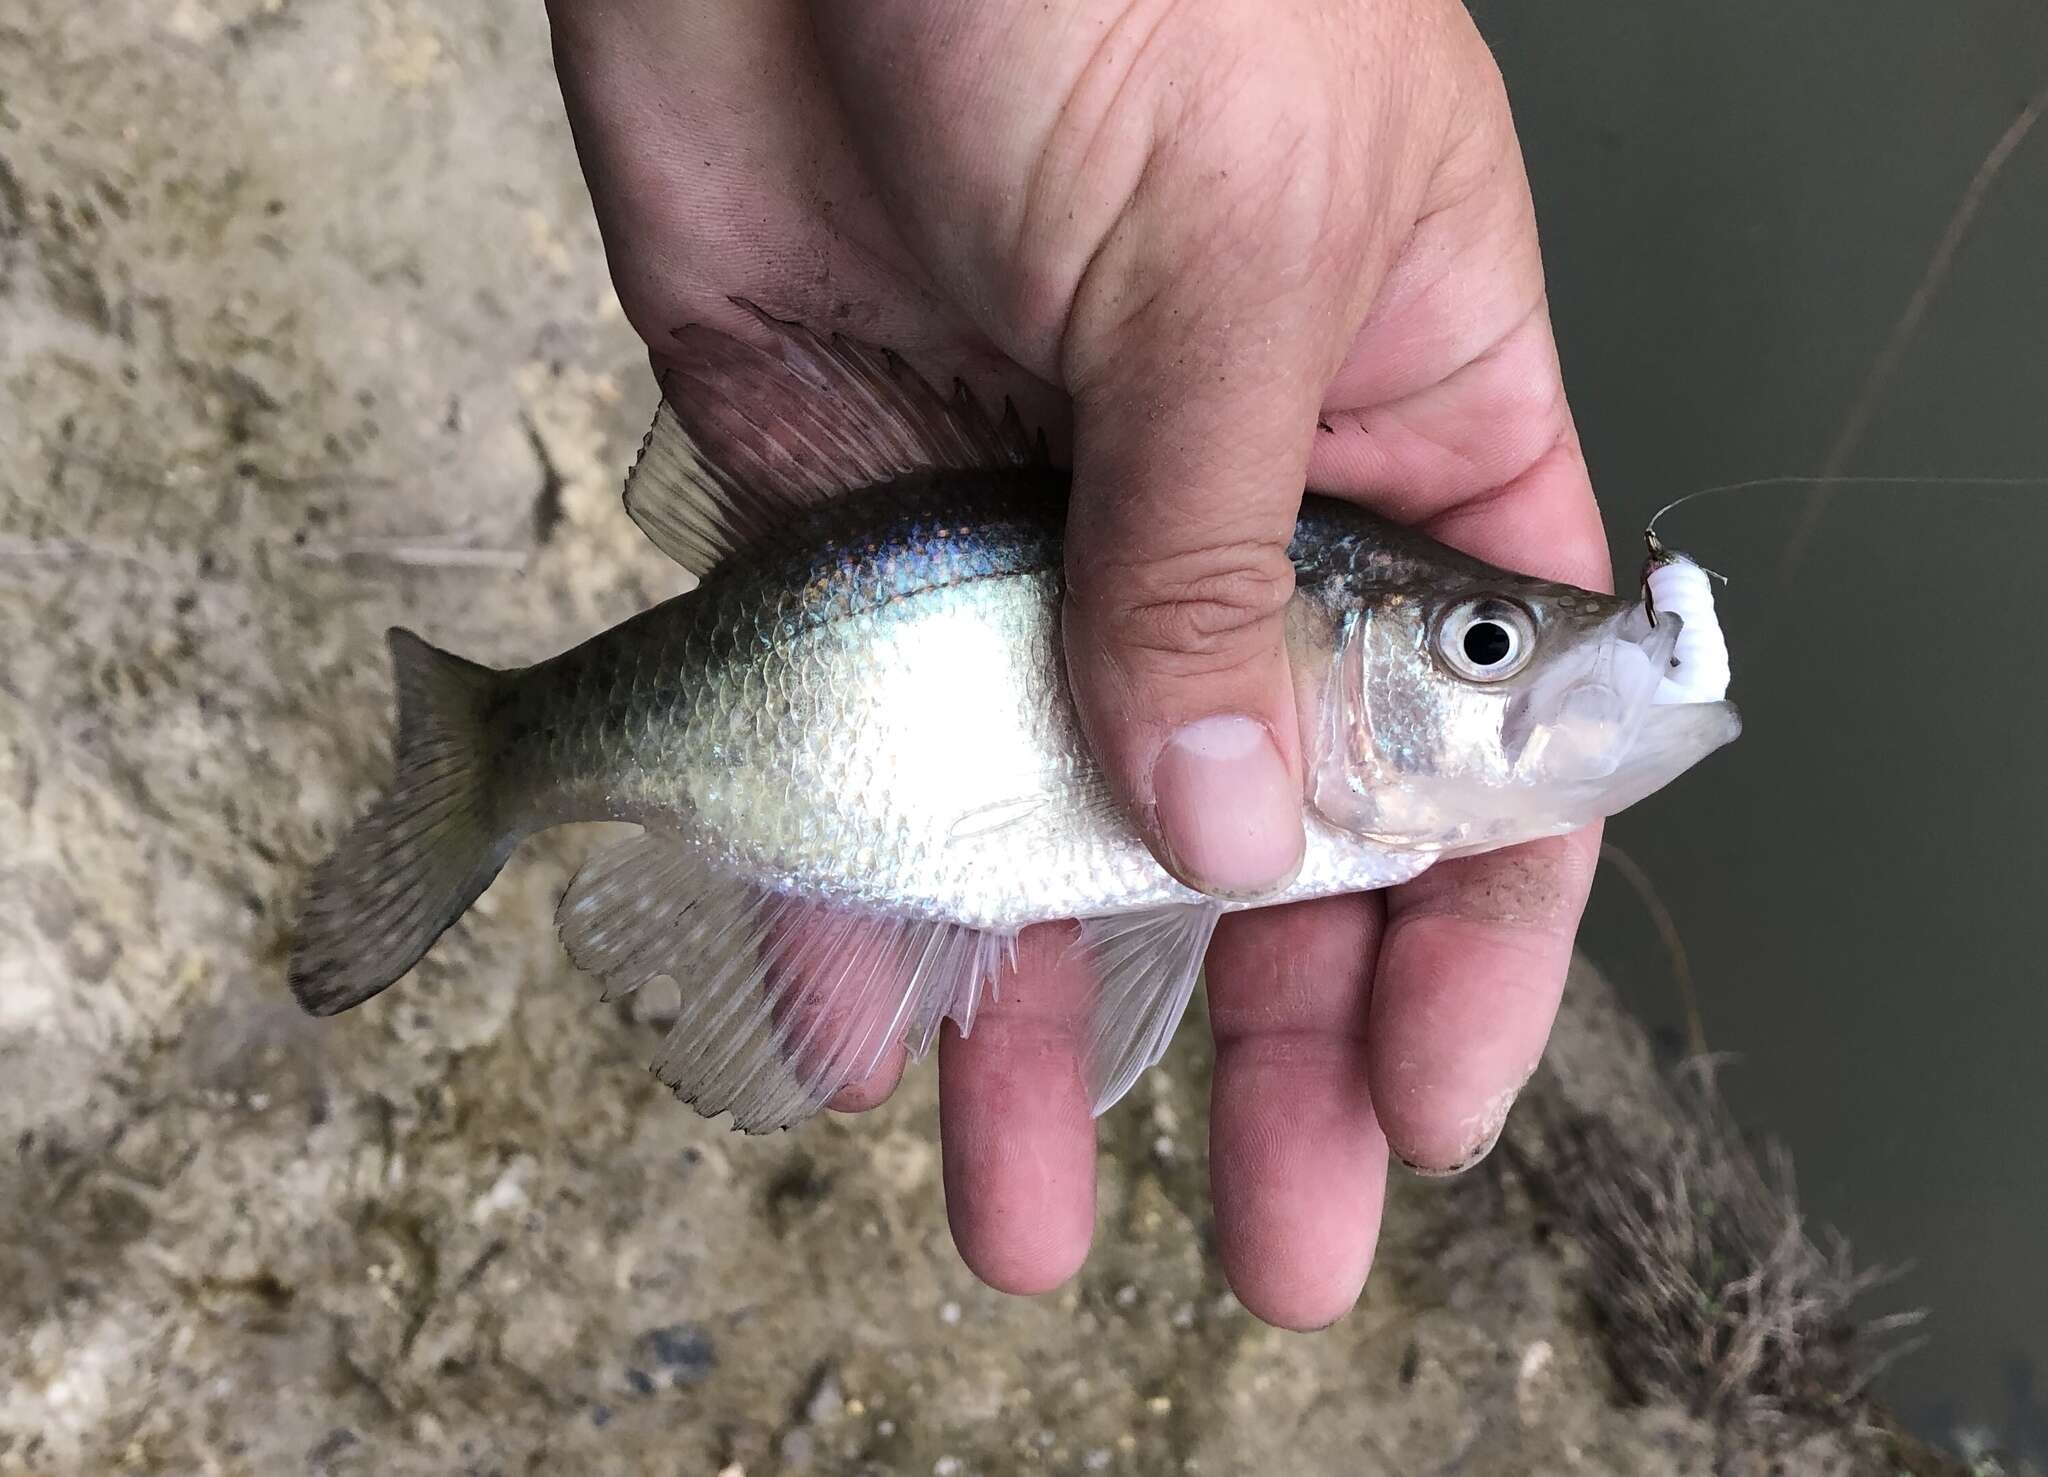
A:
x: 423, y: 854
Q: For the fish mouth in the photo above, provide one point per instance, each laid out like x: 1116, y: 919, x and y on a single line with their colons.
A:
x: 1669, y: 739
x: 1635, y: 730
x: 1680, y: 726
x: 1578, y: 721
x: 1672, y: 738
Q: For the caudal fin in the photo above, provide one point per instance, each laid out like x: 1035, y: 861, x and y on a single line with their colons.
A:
x: 423, y: 854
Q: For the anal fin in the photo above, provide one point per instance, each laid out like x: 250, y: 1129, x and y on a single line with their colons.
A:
x: 1145, y: 965
x: 784, y: 1000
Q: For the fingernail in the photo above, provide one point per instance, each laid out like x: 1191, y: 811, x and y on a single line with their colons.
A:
x: 1227, y: 809
x: 1493, y: 1122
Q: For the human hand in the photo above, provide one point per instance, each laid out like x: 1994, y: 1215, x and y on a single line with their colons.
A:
x: 1244, y: 246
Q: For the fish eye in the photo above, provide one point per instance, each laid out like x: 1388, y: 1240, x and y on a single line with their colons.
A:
x: 1486, y: 639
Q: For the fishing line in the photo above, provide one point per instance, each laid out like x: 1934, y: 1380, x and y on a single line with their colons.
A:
x: 1900, y: 339
x: 1659, y: 554
x: 1650, y: 528
x: 1637, y: 876
x: 1861, y: 411
x: 1656, y: 544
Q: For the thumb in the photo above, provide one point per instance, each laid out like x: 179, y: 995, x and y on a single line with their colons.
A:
x: 1188, y: 471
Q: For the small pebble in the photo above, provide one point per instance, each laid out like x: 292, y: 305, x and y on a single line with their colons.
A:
x: 949, y: 1313
x: 797, y: 1448
x: 946, y: 1466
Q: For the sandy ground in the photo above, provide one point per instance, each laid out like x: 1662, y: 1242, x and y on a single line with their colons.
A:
x: 304, y: 331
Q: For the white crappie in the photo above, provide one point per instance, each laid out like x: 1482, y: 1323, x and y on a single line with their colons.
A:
x: 856, y: 761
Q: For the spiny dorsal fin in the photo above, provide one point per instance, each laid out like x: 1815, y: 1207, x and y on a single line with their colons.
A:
x: 746, y: 437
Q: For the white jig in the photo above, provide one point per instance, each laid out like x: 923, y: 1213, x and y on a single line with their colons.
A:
x: 1699, y: 665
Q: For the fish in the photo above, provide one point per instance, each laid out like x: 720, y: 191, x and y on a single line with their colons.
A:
x: 855, y: 760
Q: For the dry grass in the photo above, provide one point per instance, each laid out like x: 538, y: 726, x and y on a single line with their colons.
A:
x: 1703, y: 1277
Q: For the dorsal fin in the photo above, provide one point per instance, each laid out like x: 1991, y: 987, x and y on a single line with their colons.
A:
x: 745, y: 437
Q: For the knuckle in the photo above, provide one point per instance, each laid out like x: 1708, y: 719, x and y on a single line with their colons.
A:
x: 1200, y: 605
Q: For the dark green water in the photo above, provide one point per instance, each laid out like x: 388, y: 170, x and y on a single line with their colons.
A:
x: 1737, y: 200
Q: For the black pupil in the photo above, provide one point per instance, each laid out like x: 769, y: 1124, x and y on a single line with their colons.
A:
x: 1487, y: 643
